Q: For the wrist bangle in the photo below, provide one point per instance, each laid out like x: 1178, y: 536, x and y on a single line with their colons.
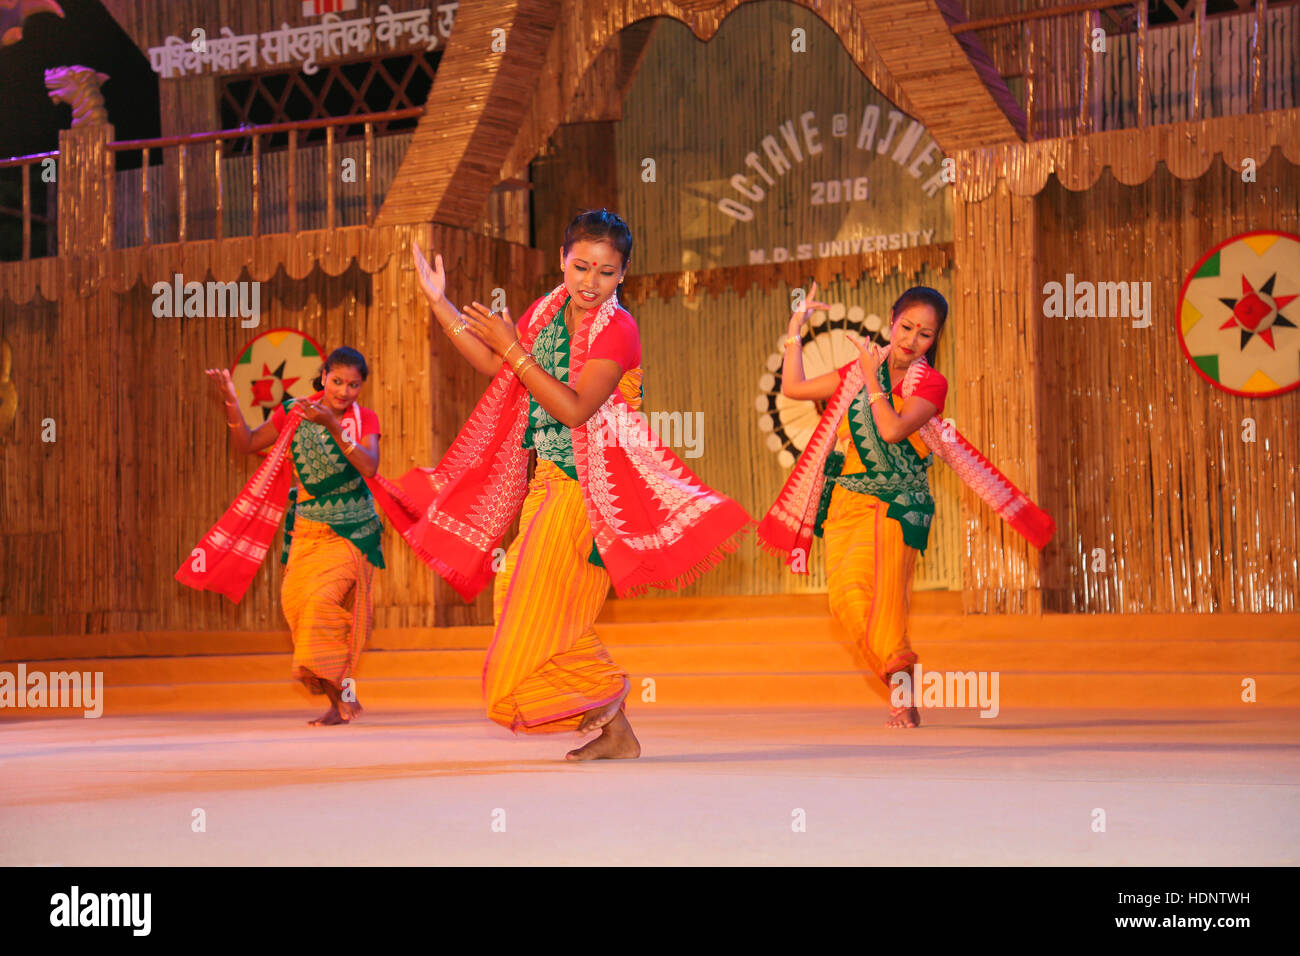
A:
x: 238, y: 424
x: 351, y: 447
x: 875, y: 395
x: 523, y: 357
x: 457, y: 329
x: 791, y: 340
x: 519, y: 371
x: 506, y: 355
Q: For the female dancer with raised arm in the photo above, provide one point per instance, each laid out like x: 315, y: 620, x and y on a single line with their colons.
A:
x: 331, y: 531
x: 863, y: 481
x: 608, y: 502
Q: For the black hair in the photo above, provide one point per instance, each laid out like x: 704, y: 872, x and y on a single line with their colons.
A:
x: 600, y: 225
x: 924, y: 295
x: 342, y: 356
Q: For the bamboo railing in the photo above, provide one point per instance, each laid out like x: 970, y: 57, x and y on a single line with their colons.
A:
x: 185, y: 187
x: 255, y: 134
x: 1087, y: 71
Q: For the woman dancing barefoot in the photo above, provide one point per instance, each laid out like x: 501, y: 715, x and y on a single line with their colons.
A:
x: 331, y: 530
x: 608, y: 502
x: 863, y: 480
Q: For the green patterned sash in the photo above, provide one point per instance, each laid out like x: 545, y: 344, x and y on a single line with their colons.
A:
x: 340, y: 496
x: 554, y: 441
x: 895, y: 473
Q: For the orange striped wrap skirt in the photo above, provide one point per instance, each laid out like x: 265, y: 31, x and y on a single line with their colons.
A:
x: 328, y: 603
x: 869, y: 573
x: 546, y: 666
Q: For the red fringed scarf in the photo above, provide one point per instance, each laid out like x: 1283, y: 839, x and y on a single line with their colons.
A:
x: 227, y: 558
x: 656, y: 524
x: 789, y: 524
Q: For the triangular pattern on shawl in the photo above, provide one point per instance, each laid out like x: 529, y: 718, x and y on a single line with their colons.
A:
x: 232, y: 551
x: 789, y: 523
x: 470, y: 498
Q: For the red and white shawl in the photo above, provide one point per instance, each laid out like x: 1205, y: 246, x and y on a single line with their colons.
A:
x: 790, y: 521
x: 655, y: 522
x: 227, y: 559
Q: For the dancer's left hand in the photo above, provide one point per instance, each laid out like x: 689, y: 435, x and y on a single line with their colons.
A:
x: 496, y: 330
x: 870, y: 356
x: 320, y: 414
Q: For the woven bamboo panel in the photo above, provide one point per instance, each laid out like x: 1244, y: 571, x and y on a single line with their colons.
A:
x: 503, y: 110
x: 95, y: 523
x: 1145, y: 460
x: 996, y: 317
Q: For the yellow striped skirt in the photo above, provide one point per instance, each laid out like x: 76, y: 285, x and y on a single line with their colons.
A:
x: 869, y: 574
x: 546, y: 666
x: 327, y: 601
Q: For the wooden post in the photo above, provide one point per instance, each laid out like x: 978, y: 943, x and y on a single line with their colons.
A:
x: 1257, y: 45
x: 293, y: 181
x: 1031, y: 82
x: 1198, y: 50
x: 182, y: 198
x: 216, y: 186
x: 1087, y: 72
x: 370, y: 157
x: 1143, y: 67
x: 84, y: 213
x: 27, y: 210
x: 144, y: 196
x: 329, y: 177
x: 257, y: 185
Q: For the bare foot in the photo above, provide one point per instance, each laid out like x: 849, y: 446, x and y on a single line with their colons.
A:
x: 903, y: 717
x: 349, y: 710
x: 327, y: 719
x: 597, y: 718
x: 616, y: 741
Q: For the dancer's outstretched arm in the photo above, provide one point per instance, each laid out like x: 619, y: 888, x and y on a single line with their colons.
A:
x: 433, y: 282
x: 568, y: 406
x: 245, y: 439
x: 793, y: 383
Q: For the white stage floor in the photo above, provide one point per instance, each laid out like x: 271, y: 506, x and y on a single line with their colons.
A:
x: 1203, y: 788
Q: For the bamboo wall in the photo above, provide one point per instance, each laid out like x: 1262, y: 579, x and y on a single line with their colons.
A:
x: 93, y: 525
x: 1145, y: 459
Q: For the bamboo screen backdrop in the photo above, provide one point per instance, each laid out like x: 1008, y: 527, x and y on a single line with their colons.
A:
x: 696, y: 110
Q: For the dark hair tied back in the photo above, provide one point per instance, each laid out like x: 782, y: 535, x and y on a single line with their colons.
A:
x: 924, y: 295
x: 341, y: 356
x: 600, y: 225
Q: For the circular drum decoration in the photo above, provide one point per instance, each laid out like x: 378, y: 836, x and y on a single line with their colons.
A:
x: 1238, y: 314
x: 278, y: 364
x: 787, y: 423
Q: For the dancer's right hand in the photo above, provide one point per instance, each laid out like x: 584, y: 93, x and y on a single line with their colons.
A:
x: 221, y: 378
x: 806, y: 307
x: 433, y: 281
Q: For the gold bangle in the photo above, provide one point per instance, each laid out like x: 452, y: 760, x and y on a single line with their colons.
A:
x: 520, y: 371
x: 791, y: 340
x: 524, y: 357
x: 506, y: 355
x: 351, y: 447
x: 458, y: 329
x: 871, y: 399
x: 238, y: 424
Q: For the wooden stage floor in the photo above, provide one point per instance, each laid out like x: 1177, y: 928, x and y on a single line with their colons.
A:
x: 1186, y: 788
